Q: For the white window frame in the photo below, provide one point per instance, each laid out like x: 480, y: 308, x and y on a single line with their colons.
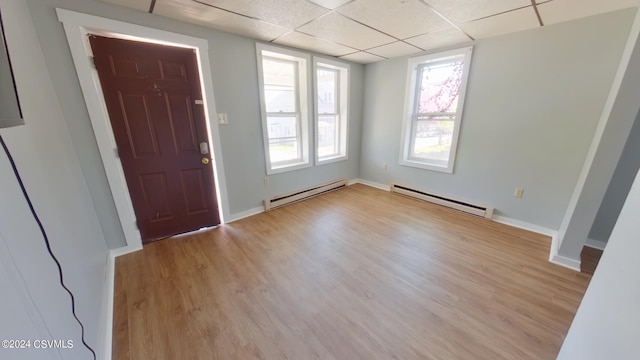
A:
x: 302, y: 103
x: 411, y: 103
x: 342, y: 89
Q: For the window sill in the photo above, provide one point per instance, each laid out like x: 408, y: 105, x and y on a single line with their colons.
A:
x: 287, y: 168
x: 427, y: 166
x: 331, y: 160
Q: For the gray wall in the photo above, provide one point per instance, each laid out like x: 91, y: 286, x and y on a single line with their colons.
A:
x: 533, y: 101
x: 51, y: 173
x: 618, y: 187
x: 9, y: 109
x: 233, y: 64
x: 607, y: 323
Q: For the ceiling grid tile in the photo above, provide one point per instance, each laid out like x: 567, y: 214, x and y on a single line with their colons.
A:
x: 395, y: 49
x: 190, y: 11
x: 461, y: 11
x: 384, y: 15
x: 362, y: 57
x: 505, y: 23
x: 340, y: 29
x: 367, y: 31
x: 307, y: 42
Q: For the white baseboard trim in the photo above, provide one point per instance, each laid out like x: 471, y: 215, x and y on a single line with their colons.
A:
x: 245, y: 214
x: 370, y: 183
x: 524, y: 225
x: 569, y: 263
x: 125, y: 250
x: 596, y: 244
x: 107, y: 315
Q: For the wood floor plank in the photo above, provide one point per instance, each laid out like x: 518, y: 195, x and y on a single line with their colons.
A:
x: 358, y: 273
x: 590, y: 258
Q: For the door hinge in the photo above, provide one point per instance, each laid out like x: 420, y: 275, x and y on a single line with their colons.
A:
x: 116, y: 152
x: 92, y: 59
x: 135, y: 223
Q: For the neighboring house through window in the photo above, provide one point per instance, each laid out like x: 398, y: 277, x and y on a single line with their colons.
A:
x: 332, y: 100
x: 283, y: 77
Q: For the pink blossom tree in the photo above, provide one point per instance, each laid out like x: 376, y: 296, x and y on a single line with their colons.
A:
x: 439, y: 96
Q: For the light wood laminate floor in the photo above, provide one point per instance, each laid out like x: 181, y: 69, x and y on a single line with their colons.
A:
x: 590, y: 258
x: 358, y: 273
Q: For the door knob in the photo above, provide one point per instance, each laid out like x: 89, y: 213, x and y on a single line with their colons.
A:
x: 205, y: 160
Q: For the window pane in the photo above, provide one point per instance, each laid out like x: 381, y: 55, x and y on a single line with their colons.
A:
x: 328, y: 137
x: 327, y: 85
x: 283, y: 138
x: 432, y: 140
x: 440, y: 86
x: 279, y: 85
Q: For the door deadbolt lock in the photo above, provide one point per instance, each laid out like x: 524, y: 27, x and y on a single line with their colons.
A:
x: 205, y: 160
x: 204, y: 148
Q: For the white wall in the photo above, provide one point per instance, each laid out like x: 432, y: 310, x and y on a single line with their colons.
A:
x: 234, y: 69
x: 533, y: 102
x: 607, y: 323
x: 17, y: 311
x: 44, y: 155
x: 607, y: 146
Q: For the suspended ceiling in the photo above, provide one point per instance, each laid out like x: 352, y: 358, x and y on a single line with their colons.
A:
x: 367, y: 31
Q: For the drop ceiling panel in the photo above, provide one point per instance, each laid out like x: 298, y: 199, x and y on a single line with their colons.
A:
x: 304, y: 41
x: 338, y: 28
x: 395, y: 49
x: 565, y: 10
x: 143, y: 5
x: 330, y: 4
x: 192, y: 12
x: 372, y: 25
x: 513, y: 21
x: 285, y: 13
x: 439, y: 39
x: 460, y: 11
x: 362, y: 57
x: 401, y: 19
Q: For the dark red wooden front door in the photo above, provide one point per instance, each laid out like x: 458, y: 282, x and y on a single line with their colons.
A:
x: 153, y: 97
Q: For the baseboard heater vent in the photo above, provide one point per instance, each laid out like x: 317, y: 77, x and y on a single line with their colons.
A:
x: 286, y: 199
x: 478, y: 210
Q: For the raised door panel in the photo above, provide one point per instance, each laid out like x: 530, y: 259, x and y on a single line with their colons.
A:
x: 140, y: 129
x: 180, y: 114
x: 193, y: 189
x: 156, y: 196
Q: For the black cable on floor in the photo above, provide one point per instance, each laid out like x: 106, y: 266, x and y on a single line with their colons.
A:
x: 46, y: 240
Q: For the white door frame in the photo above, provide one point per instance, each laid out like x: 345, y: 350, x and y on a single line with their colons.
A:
x: 77, y: 27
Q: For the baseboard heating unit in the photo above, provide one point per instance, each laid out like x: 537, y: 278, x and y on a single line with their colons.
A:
x: 286, y: 199
x: 474, y: 209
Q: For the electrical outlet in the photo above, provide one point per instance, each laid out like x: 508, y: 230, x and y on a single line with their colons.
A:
x: 518, y: 192
x: 384, y: 166
x: 266, y: 180
x: 223, y: 119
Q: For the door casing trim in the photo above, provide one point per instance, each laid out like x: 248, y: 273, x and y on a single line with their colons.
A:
x: 77, y: 27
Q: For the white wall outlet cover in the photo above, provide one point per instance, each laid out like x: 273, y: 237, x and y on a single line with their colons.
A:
x: 222, y: 118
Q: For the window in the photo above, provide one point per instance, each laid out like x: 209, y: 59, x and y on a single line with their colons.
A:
x: 332, y: 91
x: 283, y: 78
x: 436, y: 86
